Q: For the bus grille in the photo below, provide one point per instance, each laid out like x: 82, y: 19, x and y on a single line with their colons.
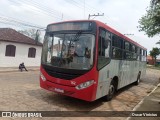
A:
x: 61, y: 75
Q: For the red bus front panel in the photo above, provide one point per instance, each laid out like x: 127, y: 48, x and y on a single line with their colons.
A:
x: 68, y: 87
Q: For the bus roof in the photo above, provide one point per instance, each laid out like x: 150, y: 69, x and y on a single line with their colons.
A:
x: 100, y: 24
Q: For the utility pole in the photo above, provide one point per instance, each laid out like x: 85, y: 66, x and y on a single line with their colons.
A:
x: 95, y: 15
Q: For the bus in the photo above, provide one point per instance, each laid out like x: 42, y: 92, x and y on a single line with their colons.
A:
x: 87, y: 59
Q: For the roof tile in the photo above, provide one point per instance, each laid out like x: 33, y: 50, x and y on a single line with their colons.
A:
x: 11, y: 35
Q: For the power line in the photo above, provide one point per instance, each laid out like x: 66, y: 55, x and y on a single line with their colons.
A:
x: 89, y: 8
x: 31, y: 8
x: 16, y: 22
x: 79, y: 5
x: 14, y: 19
x: 40, y: 8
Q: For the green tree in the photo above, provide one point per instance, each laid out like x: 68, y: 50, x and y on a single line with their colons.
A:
x: 150, y: 23
x: 154, y: 53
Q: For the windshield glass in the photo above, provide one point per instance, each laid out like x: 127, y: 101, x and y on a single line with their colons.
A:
x: 70, y: 51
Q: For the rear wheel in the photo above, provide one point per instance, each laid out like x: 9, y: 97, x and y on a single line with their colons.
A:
x: 111, y: 92
x: 138, y: 78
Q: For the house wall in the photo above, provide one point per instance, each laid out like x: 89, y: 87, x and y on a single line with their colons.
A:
x: 21, y: 55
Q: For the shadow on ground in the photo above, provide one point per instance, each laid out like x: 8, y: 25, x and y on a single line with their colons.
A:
x: 69, y: 103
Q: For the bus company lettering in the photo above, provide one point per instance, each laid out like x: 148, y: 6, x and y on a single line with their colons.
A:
x: 34, y: 115
x: 14, y: 114
x: 144, y: 114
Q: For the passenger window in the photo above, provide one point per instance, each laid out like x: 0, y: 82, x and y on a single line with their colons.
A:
x: 117, y: 41
x: 116, y: 53
x: 140, y: 51
x: 130, y: 47
x: 127, y: 55
x: 136, y: 49
x: 133, y: 48
x: 126, y: 46
x: 117, y: 45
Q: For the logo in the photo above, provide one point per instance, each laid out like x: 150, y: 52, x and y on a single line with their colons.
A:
x: 73, y: 82
x: 6, y: 114
x: 21, y: 114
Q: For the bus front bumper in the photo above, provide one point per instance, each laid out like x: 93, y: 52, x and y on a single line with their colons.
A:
x: 86, y: 94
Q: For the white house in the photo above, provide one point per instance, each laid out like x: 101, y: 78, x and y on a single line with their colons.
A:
x: 16, y: 48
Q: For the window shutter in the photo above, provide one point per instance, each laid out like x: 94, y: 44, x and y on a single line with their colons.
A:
x: 10, y: 50
x: 32, y: 52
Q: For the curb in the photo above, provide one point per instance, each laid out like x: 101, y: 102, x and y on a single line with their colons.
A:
x: 5, y: 71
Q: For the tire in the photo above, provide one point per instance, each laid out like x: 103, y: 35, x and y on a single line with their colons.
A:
x: 138, y: 78
x: 111, y: 92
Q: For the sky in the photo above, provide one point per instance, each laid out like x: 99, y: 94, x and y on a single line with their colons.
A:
x: 122, y: 15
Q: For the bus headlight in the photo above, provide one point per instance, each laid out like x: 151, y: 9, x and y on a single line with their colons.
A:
x: 84, y: 85
x: 42, y: 77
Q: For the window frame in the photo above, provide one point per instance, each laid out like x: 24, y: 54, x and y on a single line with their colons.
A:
x: 109, y: 42
x: 31, y: 52
x: 10, y: 50
x: 117, y: 46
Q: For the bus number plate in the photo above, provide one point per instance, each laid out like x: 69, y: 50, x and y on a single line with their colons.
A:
x: 59, y: 90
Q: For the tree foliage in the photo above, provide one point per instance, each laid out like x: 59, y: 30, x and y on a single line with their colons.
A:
x: 154, y: 53
x: 150, y: 23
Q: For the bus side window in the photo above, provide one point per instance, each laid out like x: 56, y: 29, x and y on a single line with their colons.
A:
x: 140, y: 54
x: 103, y: 48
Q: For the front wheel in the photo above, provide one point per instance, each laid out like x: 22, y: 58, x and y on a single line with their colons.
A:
x: 111, y: 92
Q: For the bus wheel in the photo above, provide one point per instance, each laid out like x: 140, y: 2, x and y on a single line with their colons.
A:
x: 111, y: 92
x: 138, y: 78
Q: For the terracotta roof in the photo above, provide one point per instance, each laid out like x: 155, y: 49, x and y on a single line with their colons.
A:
x: 11, y: 35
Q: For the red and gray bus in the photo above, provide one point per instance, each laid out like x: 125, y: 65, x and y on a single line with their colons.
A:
x: 87, y: 59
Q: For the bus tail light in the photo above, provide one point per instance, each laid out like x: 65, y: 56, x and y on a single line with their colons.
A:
x: 42, y: 77
x: 84, y: 85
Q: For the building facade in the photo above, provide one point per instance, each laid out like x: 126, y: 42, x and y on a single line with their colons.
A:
x: 16, y: 48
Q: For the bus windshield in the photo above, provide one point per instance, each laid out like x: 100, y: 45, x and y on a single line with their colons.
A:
x: 69, y: 51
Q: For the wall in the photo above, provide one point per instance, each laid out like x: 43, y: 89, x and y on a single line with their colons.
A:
x: 21, y: 55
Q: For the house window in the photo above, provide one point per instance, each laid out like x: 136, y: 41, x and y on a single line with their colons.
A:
x: 32, y: 52
x: 10, y: 50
